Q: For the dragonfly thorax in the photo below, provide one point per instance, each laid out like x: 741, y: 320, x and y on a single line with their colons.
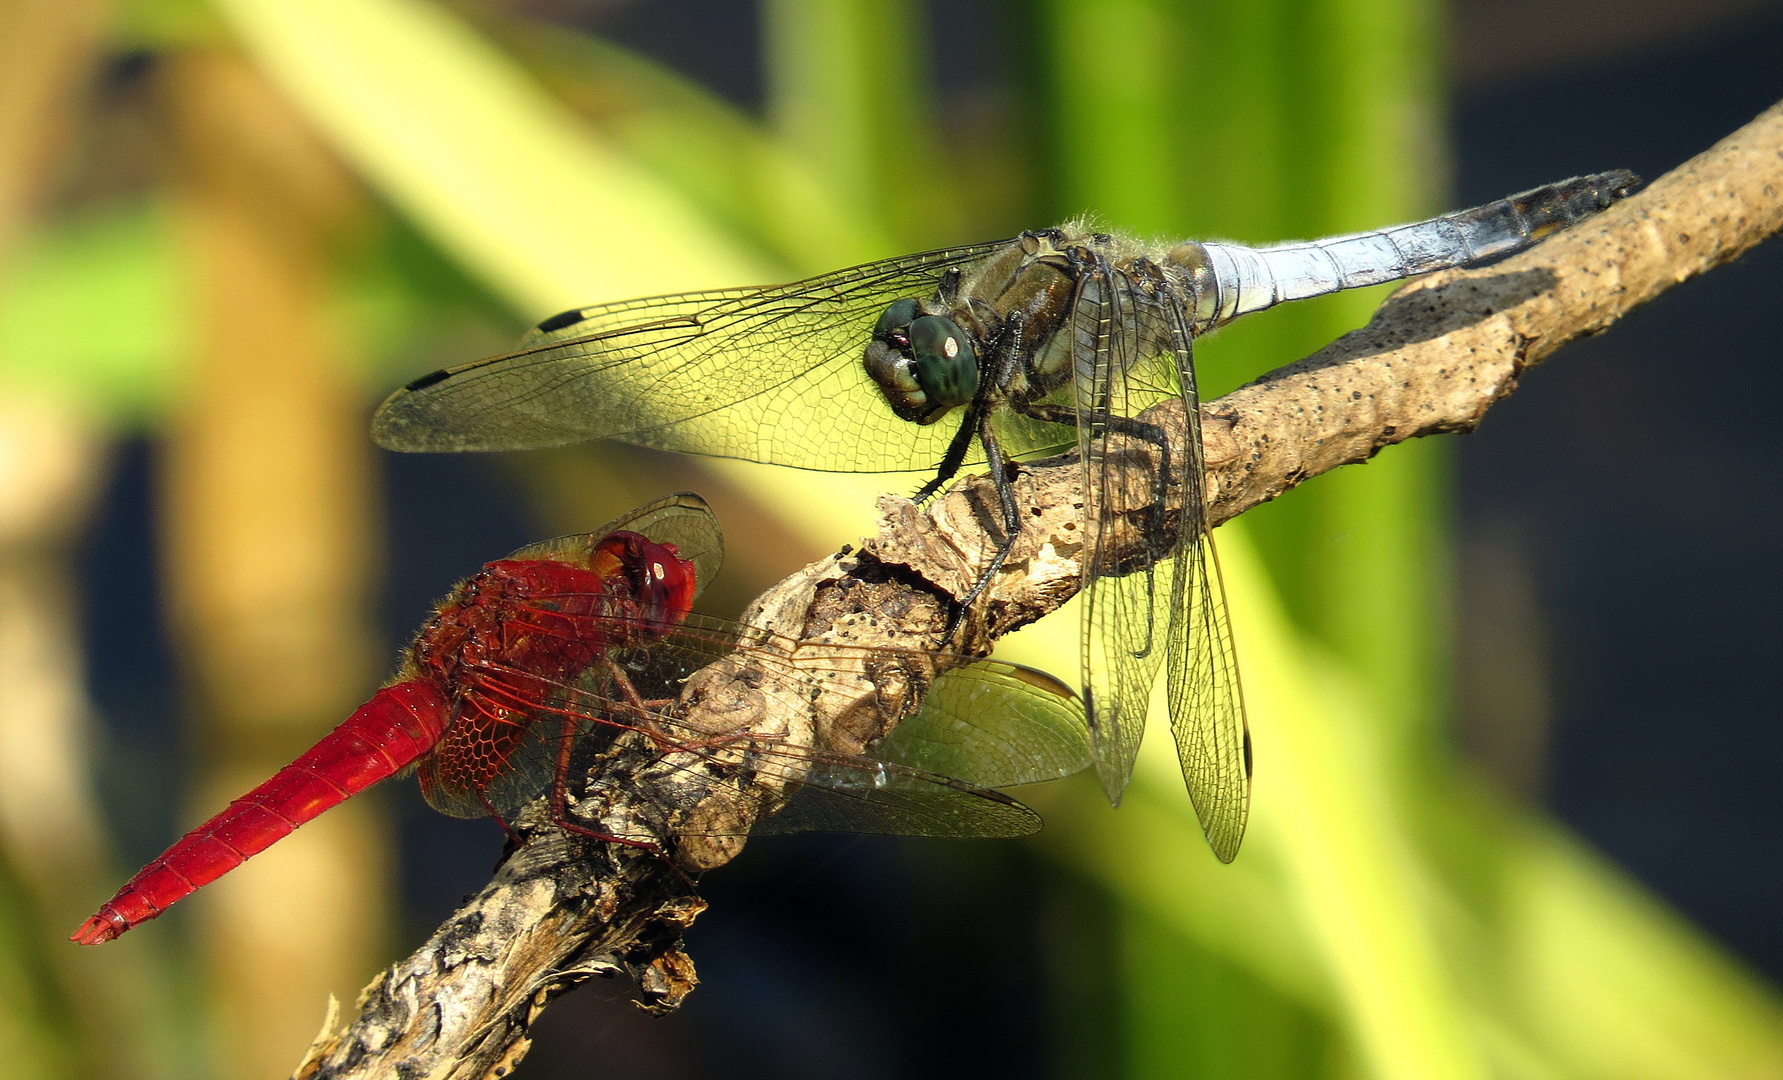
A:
x: 923, y: 363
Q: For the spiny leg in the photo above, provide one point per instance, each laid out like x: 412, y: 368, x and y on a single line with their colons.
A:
x: 646, y: 716
x: 1009, y: 347
x: 483, y: 797
x: 1107, y: 422
x: 1012, y: 523
x: 560, y: 795
x: 955, y: 456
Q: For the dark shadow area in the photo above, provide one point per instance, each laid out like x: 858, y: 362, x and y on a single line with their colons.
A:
x: 830, y: 956
x: 130, y: 664
x: 1637, y: 474
x: 447, y: 515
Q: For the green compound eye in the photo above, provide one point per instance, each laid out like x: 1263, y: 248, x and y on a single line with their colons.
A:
x: 895, y: 318
x: 946, y: 363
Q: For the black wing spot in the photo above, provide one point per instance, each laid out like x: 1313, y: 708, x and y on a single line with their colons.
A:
x: 1247, y: 752
x: 429, y: 379
x: 561, y: 320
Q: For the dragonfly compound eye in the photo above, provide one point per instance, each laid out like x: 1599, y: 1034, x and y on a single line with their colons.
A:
x: 896, y: 319
x: 665, y: 584
x: 895, y: 375
x: 946, y: 363
x: 923, y: 369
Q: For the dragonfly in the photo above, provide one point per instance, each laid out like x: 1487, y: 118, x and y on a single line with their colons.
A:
x: 529, y: 673
x: 985, y: 353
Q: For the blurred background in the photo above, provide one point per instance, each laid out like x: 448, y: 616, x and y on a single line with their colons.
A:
x: 1515, y: 809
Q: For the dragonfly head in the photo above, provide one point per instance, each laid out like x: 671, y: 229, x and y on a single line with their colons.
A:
x: 660, y: 581
x: 924, y: 364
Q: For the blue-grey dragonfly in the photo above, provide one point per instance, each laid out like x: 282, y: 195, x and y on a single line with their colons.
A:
x: 982, y: 353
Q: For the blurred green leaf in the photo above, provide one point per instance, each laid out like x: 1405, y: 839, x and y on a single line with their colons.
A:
x: 849, y: 93
x: 465, y: 142
x: 35, y: 1028
x: 699, y: 146
x: 95, y: 309
x: 1326, y: 901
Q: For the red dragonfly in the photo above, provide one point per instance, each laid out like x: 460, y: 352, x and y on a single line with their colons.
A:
x: 536, y: 664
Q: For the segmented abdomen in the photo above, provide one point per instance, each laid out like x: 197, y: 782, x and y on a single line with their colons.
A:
x: 385, y: 735
x: 1248, y: 279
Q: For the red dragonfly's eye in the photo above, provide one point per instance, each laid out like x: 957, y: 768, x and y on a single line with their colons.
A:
x: 660, y: 580
x: 668, y: 585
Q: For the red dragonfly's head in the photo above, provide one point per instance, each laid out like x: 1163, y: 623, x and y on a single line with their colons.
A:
x: 661, y: 582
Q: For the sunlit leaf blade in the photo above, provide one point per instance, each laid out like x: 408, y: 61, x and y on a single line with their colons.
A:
x: 464, y: 140
x: 1362, y: 915
x: 718, y: 158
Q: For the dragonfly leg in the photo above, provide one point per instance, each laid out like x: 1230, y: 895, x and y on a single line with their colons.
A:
x: 513, y: 837
x: 646, y: 712
x: 1012, y: 523
x: 1009, y: 345
x: 560, y: 796
x: 951, y: 461
x: 1106, y: 422
x: 627, y: 691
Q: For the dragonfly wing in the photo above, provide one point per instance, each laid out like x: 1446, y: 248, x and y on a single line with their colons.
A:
x: 1207, y: 718
x: 683, y: 519
x: 1129, y: 568
x: 771, y: 374
x: 473, y: 754
x: 1154, y: 591
x: 879, y: 798
x: 995, y: 725
x: 829, y: 792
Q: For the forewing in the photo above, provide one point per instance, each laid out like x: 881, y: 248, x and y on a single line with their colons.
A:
x: 771, y: 374
x: 1130, y: 566
x: 1213, y: 738
x: 772, y: 787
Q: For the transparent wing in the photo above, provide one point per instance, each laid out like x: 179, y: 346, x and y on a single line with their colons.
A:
x: 897, y: 801
x: 467, y: 772
x: 769, y: 374
x: 683, y: 519
x: 997, y: 723
x: 1162, y: 597
x: 1213, y: 738
x: 1126, y: 597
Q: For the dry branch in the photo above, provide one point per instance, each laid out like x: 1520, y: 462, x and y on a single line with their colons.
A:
x: 1433, y: 360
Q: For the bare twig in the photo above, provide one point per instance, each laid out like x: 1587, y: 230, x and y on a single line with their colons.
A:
x: 1434, y: 358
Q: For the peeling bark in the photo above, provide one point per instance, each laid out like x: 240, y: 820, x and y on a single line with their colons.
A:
x: 1435, y: 357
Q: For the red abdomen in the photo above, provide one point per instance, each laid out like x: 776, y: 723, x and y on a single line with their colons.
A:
x: 385, y: 735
